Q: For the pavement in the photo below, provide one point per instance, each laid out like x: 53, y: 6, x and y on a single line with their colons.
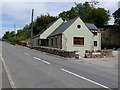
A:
x: 110, y: 63
x: 29, y: 68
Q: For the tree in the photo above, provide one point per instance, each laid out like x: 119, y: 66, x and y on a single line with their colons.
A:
x: 9, y: 34
x: 19, y: 31
x: 88, y: 13
x: 12, y: 33
x: 83, y: 11
x: 99, y: 17
x: 67, y: 15
x: 42, y: 22
x: 6, y: 35
x: 116, y: 16
x: 27, y: 27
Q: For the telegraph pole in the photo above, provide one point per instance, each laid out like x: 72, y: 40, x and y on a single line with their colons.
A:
x: 32, y: 28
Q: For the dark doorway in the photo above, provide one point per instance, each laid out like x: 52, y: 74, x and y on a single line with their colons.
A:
x: 44, y: 42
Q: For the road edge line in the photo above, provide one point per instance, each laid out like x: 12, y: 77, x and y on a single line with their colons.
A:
x: 8, y: 74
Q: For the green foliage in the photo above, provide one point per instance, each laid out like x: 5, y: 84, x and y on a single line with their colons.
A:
x: 70, y: 14
x: 83, y: 11
x: 42, y: 22
x: 116, y: 16
x: 88, y: 13
x: 99, y: 17
x: 13, y: 38
x: 8, y: 34
x: 19, y: 32
x: 27, y: 27
x: 39, y: 24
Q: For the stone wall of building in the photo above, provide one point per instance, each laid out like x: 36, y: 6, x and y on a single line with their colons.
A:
x: 55, y: 41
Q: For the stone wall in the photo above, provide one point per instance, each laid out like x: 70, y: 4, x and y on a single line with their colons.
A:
x: 69, y: 54
x: 56, y: 51
x: 110, y: 38
x: 99, y: 54
x: 55, y: 41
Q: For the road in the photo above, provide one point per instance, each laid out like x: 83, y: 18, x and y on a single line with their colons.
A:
x: 29, y: 68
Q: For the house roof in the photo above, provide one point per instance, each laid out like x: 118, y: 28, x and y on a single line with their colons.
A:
x: 91, y: 26
x: 45, y: 29
x: 63, y: 27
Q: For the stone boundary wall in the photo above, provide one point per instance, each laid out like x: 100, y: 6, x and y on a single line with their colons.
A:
x: 99, y: 54
x: 71, y: 54
x: 56, y: 51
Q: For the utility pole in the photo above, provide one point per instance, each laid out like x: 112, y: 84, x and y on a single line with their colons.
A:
x: 32, y: 28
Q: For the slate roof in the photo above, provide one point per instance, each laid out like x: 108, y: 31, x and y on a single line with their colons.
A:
x: 45, y: 29
x: 63, y: 27
x: 91, y: 26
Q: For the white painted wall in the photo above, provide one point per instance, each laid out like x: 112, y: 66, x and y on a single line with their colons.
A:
x: 73, y: 31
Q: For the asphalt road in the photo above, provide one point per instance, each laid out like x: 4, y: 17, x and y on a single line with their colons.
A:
x: 29, y: 68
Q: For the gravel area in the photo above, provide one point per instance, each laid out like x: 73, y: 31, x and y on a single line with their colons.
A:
x: 111, y: 62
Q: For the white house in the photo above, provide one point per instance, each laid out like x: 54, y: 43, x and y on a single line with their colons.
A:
x: 73, y: 35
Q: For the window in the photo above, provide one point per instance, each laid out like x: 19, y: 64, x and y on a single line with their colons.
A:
x: 95, y: 33
x: 95, y: 43
x: 78, y: 26
x: 51, y: 41
x: 78, y: 41
x: 56, y: 41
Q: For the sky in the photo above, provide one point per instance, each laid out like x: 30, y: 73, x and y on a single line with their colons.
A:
x: 19, y: 12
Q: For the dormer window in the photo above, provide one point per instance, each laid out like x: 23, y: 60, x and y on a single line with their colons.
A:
x: 78, y: 26
x: 95, y: 33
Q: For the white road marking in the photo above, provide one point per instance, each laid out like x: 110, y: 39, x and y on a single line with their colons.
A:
x: 26, y: 53
x: 37, y: 58
x: 8, y: 74
x: 46, y: 62
x: 86, y: 79
x: 42, y: 60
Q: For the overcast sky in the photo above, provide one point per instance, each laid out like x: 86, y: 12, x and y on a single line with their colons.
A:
x: 19, y: 12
